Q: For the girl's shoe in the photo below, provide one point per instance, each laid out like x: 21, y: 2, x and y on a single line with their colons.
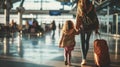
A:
x: 83, y: 62
x: 66, y: 63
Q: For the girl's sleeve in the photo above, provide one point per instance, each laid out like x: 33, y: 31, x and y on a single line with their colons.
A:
x: 77, y: 31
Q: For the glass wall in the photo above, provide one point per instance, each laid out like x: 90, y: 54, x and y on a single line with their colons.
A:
x: 40, y: 18
x: 109, y: 24
x: 48, y: 19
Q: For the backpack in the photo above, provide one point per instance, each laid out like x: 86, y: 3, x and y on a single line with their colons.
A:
x: 90, y: 21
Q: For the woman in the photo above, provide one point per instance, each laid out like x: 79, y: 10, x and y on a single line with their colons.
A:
x: 53, y: 27
x: 83, y: 9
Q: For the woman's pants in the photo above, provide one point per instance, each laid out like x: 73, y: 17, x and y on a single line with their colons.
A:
x: 85, y: 37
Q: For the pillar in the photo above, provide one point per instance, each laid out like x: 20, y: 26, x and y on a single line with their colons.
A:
x: 108, y: 20
x: 20, y: 11
x: 116, y: 23
x: 20, y: 18
x: 41, y: 5
x: 7, y: 7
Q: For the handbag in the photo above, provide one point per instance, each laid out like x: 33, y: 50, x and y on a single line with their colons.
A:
x: 90, y: 21
x: 88, y: 24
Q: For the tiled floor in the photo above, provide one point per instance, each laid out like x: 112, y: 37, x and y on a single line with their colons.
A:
x: 43, y: 51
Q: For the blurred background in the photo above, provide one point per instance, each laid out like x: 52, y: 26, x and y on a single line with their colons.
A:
x: 45, y: 11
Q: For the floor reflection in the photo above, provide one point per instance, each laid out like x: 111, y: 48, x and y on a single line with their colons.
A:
x: 44, y: 49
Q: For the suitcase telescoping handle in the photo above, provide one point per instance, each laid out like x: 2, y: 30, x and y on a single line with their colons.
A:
x: 98, y: 35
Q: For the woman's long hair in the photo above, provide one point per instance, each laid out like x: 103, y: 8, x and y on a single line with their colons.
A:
x: 83, y: 6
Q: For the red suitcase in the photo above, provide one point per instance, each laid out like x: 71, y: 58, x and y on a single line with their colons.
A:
x: 101, y: 53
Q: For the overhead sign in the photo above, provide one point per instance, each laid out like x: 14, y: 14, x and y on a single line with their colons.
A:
x: 54, y: 12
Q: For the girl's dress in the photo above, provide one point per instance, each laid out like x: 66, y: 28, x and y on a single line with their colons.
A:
x: 71, y: 34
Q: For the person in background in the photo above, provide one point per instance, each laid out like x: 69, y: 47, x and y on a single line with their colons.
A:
x: 83, y: 8
x: 53, y: 27
x: 27, y: 25
x: 59, y: 27
x: 13, y: 26
x: 68, y: 34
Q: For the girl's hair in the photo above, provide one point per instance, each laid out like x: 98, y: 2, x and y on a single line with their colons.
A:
x: 68, y: 26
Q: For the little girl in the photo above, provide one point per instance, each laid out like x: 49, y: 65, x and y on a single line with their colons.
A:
x: 68, y: 34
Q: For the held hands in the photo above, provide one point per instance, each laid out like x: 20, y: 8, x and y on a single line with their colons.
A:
x: 77, y: 31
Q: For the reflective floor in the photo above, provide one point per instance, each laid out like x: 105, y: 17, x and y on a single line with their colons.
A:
x: 43, y: 51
